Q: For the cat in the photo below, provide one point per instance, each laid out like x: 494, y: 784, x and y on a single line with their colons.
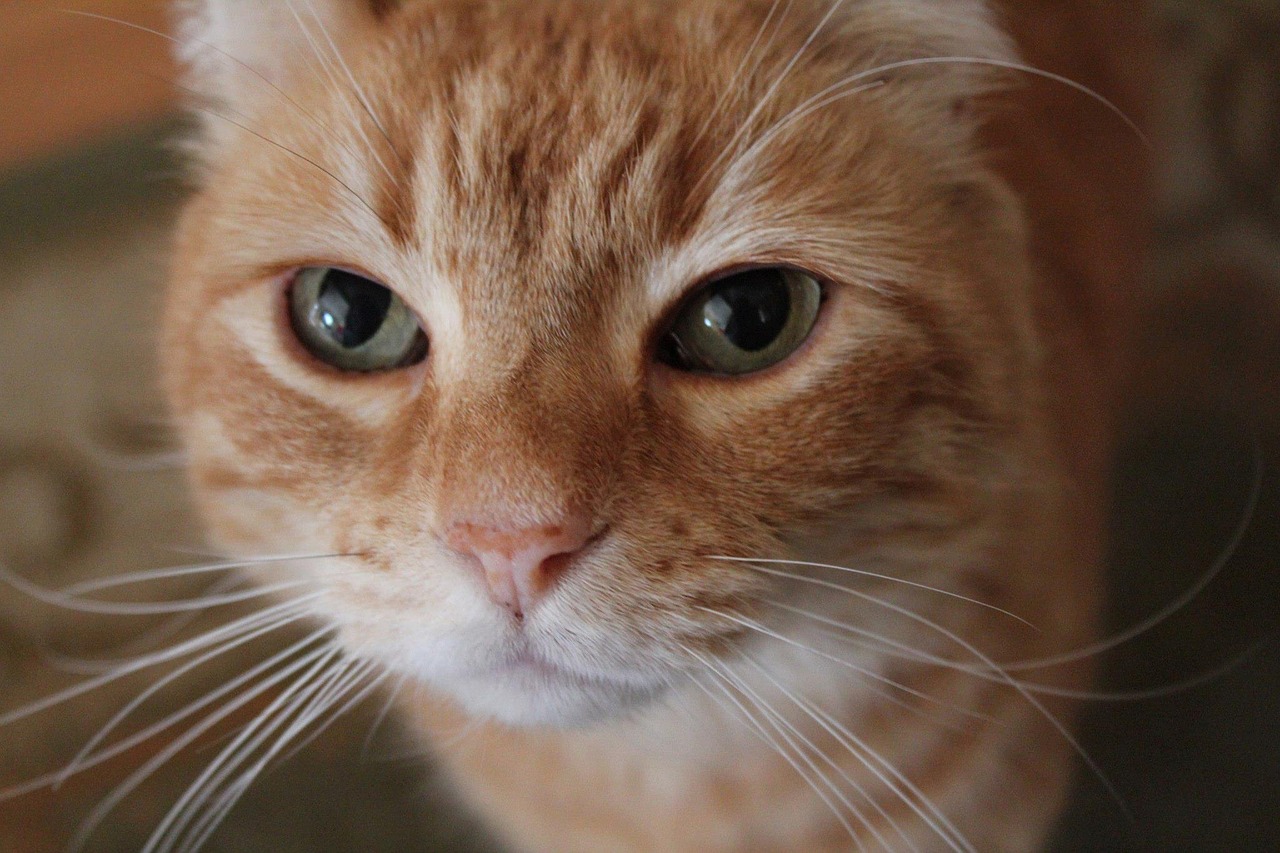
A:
x: 706, y: 402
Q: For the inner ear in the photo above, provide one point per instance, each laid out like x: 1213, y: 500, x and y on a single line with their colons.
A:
x: 236, y: 51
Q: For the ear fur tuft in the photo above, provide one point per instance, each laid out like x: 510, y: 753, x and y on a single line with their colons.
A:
x: 236, y: 51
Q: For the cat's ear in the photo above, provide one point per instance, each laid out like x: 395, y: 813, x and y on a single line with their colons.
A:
x: 238, y: 53
x: 932, y: 30
x: 959, y: 49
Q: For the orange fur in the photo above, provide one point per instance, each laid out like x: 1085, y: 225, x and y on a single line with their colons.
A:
x: 544, y: 181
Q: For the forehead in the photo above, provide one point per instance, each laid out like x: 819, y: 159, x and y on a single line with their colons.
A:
x: 564, y: 143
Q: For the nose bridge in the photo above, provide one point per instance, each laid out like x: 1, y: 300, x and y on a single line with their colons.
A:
x: 525, y: 449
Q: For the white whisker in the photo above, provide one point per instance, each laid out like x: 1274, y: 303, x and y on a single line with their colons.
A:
x: 924, y: 697
x: 78, y: 604
x: 336, y: 684
x: 141, y: 737
x: 891, y: 647
x: 360, y: 696
x: 982, y: 657
x: 383, y: 714
x: 882, y: 577
x: 356, y: 88
x: 781, y: 719
x: 335, y: 87
x: 147, y: 661
x: 768, y: 97
x: 727, y: 90
x: 723, y: 683
x: 171, y: 572
x: 137, y: 645
x: 286, y: 618
x: 329, y: 173
x: 193, y: 734
x: 1215, y: 570
x: 935, y: 821
x: 182, y: 812
x: 239, y: 65
x: 918, y: 799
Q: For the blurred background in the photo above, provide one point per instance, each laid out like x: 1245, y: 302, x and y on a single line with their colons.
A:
x: 89, y: 486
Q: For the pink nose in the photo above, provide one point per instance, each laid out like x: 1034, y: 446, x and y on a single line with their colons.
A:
x: 521, y: 564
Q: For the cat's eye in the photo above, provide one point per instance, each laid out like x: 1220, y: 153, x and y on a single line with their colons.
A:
x: 743, y: 323
x: 353, y: 323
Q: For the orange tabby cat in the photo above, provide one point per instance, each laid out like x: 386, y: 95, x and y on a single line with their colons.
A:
x: 583, y: 330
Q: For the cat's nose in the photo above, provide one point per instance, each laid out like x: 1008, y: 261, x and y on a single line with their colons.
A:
x: 521, y: 564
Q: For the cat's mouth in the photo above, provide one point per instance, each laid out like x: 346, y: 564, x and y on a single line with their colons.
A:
x: 528, y: 662
x: 527, y: 687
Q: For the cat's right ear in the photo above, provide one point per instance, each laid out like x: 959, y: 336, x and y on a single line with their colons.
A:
x: 240, y: 54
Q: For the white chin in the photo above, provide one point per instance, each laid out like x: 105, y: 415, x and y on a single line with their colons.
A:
x: 528, y: 698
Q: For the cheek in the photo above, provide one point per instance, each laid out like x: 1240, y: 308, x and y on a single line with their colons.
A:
x: 248, y: 520
x: 782, y: 462
x: 815, y: 431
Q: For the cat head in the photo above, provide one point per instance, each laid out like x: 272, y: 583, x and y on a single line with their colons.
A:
x: 534, y: 311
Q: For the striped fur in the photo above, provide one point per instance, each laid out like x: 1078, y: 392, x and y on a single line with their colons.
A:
x: 542, y: 181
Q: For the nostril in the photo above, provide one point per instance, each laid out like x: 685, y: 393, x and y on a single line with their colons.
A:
x: 555, y: 565
x: 521, y: 563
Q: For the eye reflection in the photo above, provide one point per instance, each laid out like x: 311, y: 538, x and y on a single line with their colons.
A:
x: 354, y: 323
x: 744, y: 323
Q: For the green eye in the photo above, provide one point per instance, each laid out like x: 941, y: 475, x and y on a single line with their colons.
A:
x: 744, y: 323
x: 353, y: 323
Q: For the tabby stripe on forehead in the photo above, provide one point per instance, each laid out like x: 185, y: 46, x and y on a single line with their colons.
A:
x: 395, y: 203
x: 383, y: 8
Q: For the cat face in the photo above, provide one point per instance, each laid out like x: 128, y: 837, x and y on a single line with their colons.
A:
x: 534, y: 312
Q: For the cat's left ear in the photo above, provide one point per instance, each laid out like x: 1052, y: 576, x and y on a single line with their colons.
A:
x: 238, y: 52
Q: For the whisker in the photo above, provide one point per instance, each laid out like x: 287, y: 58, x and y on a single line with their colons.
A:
x: 839, y: 91
x: 891, y: 647
x: 361, y: 96
x: 318, y: 708
x: 115, y: 581
x: 141, y: 463
x: 982, y: 657
x: 767, y: 98
x: 727, y: 90
x: 918, y: 798
x: 95, y: 818
x: 779, y: 718
x: 336, y: 684
x: 220, y: 795
x: 238, y: 63
x: 882, y: 577
x: 360, y: 696
x: 137, y: 645
x: 180, y: 814
x: 147, y: 661
x: 383, y: 715
x: 881, y: 644
x: 330, y: 79
x: 848, y: 88
x: 936, y: 820
x: 312, y: 163
x: 763, y: 733
x: 806, y: 108
x: 138, y: 608
x: 924, y: 697
x: 286, y: 618
x: 1164, y: 614
x: 121, y: 747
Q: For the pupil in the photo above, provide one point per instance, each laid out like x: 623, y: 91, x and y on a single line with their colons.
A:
x: 351, y: 309
x: 750, y: 309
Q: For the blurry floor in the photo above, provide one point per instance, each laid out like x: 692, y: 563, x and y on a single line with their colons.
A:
x: 86, y: 490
